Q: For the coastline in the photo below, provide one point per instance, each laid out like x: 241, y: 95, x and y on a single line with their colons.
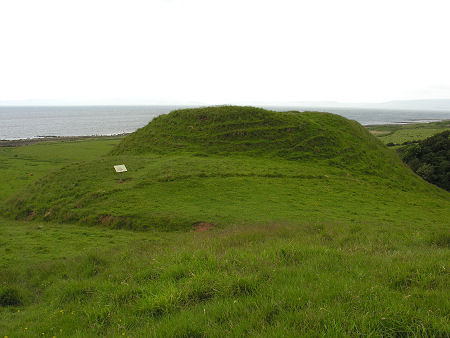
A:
x: 29, y: 141
x: 30, y: 123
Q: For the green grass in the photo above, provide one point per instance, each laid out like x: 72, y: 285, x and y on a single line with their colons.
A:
x: 398, y: 134
x: 20, y: 166
x: 176, y: 192
x: 303, y: 243
x: 271, y: 280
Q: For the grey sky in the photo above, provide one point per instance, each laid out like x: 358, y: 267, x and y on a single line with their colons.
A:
x: 224, y: 51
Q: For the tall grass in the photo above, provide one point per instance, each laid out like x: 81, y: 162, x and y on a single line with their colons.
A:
x: 271, y: 280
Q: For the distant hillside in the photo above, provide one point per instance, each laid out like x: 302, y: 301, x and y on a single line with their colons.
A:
x: 436, y: 104
x: 425, y: 104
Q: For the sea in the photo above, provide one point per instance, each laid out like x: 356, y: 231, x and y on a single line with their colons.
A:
x: 38, y: 121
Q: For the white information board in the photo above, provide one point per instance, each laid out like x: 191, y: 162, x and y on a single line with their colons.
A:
x: 120, y: 168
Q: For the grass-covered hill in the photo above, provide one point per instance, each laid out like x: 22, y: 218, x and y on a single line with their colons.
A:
x: 320, y: 244
x: 229, y: 130
x: 235, y: 130
x: 233, y: 165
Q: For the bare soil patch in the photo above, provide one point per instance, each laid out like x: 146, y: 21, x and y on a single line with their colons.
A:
x: 203, y: 226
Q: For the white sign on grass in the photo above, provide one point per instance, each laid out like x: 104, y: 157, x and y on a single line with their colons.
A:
x: 120, y: 168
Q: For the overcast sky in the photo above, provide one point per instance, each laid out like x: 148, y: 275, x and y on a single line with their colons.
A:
x: 226, y: 51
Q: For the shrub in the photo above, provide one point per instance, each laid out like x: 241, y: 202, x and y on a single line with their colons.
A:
x: 10, y: 297
x: 430, y: 159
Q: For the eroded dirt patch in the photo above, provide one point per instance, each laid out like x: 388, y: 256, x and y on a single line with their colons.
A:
x: 203, y: 226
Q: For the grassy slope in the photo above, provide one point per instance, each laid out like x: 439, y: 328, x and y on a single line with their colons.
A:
x: 398, y: 134
x: 246, y: 172
x: 20, y: 166
x: 274, y: 280
x: 176, y: 192
x: 341, y: 255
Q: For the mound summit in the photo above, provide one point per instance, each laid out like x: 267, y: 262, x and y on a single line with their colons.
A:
x: 235, y: 130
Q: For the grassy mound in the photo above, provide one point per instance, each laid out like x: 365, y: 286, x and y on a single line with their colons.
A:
x: 327, y: 251
x: 234, y: 130
x: 228, y: 165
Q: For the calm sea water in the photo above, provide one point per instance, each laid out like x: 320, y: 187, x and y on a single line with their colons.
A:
x: 32, y: 122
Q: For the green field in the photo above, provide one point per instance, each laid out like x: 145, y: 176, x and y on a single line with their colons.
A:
x: 398, y: 134
x: 22, y: 165
x: 313, y: 228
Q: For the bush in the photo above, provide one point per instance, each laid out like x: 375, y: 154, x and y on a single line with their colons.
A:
x: 430, y: 159
x: 10, y: 297
x: 426, y: 171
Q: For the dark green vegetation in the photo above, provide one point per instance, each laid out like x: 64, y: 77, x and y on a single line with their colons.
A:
x: 398, y: 134
x: 430, y: 159
x: 327, y: 234
x: 428, y: 155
